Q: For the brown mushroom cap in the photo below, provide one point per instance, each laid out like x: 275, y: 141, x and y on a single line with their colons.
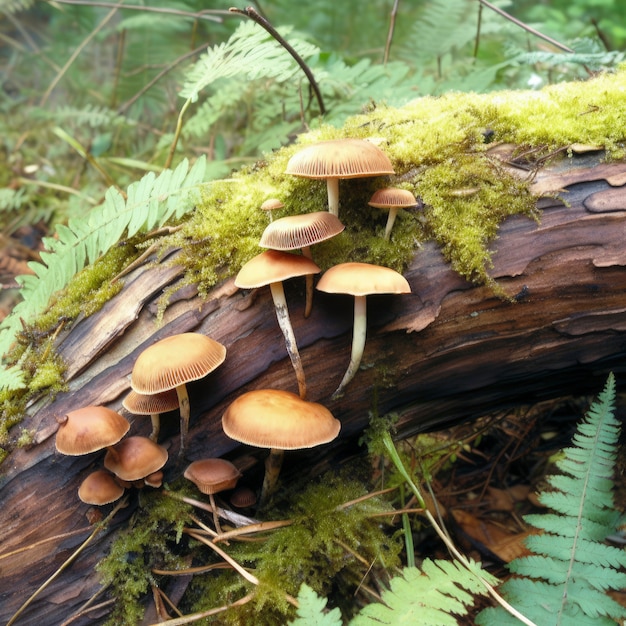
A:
x: 89, y: 429
x: 273, y: 266
x: 362, y: 279
x: 100, y: 488
x: 272, y: 418
x: 135, y: 457
x: 271, y: 204
x: 174, y: 361
x: 299, y: 231
x: 142, y: 404
x: 212, y: 475
x: 340, y: 158
x: 243, y: 497
x: 392, y: 197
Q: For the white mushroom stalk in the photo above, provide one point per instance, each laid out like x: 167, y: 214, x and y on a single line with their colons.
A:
x: 359, y: 334
x: 282, y: 315
x: 391, y: 218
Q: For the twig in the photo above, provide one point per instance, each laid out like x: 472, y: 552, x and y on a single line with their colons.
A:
x: 392, y: 27
x: 252, y: 13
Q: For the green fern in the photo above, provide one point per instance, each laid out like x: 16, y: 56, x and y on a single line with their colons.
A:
x: 14, y: 6
x: 565, y: 579
x: 150, y: 203
x: 311, y: 610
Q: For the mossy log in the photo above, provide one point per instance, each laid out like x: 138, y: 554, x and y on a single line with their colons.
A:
x: 449, y: 351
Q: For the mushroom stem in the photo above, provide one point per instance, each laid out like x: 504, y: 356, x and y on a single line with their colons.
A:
x: 273, y: 463
x: 306, y: 251
x: 183, y: 403
x: 358, y: 343
x: 391, y: 218
x: 282, y: 314
x: 332, y: 186
x: 156, y: 426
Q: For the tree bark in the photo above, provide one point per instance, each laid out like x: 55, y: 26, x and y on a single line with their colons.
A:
x: 448, y: 351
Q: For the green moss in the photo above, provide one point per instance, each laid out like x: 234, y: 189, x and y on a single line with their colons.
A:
x: 438, y: 146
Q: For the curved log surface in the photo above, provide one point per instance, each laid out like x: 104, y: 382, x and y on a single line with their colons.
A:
x: 448, y: 351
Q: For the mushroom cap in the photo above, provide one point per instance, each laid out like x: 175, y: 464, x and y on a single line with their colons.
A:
x: 273, y: 266
x: 272, y: 418
x: 392, y: 198
x: 89, y: 429
x: 243, y: 497
x: 135, y: 457
x: 340, y: 158
x: 212, y: 475
x: 271, y: 204
x: 174, y: 361
x: 362, y: 279
x: 298, y: 231
x: 100, y: 488
x: 150, y: 404
x: 154, y: 480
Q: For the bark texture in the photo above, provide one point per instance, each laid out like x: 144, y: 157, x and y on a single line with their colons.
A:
x: 449, y: 351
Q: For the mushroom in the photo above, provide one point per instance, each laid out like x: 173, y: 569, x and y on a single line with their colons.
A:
x: 134, y: 458
x: 243, y: 498
x: 339, y: 158
x: 392, y: 199
x: 278, y: 420
x: 173, y: 362
x: 89, y: 429
x: 152, y: 405
x: 301, y: 232
x: 100, y: 488
x: 271, y: 204
x: 211, y: 476
x: 271, y: 268
x: 360, y: 280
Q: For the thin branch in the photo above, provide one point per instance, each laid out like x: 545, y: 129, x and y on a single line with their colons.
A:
x: 392, y: 26
x: 252, y: 13
x: 527, y: 28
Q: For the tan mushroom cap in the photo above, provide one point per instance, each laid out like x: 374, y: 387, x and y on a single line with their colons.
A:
x: 149, y: 404
x: 212, y: 475
x: 273, y: 266
x: 272, y: 418
x: 299, y: 231
x: 392, y: 197
x: 174, y: 361
x: 271, y: 204
x: 362, y: 279
x: 135, y: 457
x: 89, y: 429
x: 100, y: 488
x: 340, y: 158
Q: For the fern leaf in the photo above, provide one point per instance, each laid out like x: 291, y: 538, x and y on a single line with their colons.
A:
x: 566, y: 578
x: 430, y: 596
x: 151, y: 202
x: 11, y: 378
x: 311, y: 610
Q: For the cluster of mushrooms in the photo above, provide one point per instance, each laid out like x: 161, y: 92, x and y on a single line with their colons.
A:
x: 268, y: 418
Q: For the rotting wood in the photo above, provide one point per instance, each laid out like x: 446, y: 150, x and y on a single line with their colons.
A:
x: 449, y: 351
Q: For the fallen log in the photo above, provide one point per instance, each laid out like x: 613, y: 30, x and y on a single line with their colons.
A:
x: 449, y: 351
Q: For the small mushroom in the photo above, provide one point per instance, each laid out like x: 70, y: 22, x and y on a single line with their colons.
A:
x: 89, y: 429
x: 100, y: 488
x: 211, y: 476
x: 278, y: 420
x: 271, y: 268
x: 134, y: 458
x: 271, y: 205
x: 152, y: 405
x: 300, y: 232
x: 339, y: 158
x: 360, y: 280
x: 392, y: 199
x: 173, y: 362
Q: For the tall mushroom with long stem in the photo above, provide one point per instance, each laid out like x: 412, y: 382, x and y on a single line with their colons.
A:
x: 339, y: 158
x: 278, y: 420
x: 300, y: 232
x: 360, y: 280
x: 173, y: 362
x: 271, y: 268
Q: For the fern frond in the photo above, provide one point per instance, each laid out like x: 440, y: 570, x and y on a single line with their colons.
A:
x: 430, y: 596
x: 13, y: 6
x: 566, y: 578
x: 311, y: 610
x: 151, y: 202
